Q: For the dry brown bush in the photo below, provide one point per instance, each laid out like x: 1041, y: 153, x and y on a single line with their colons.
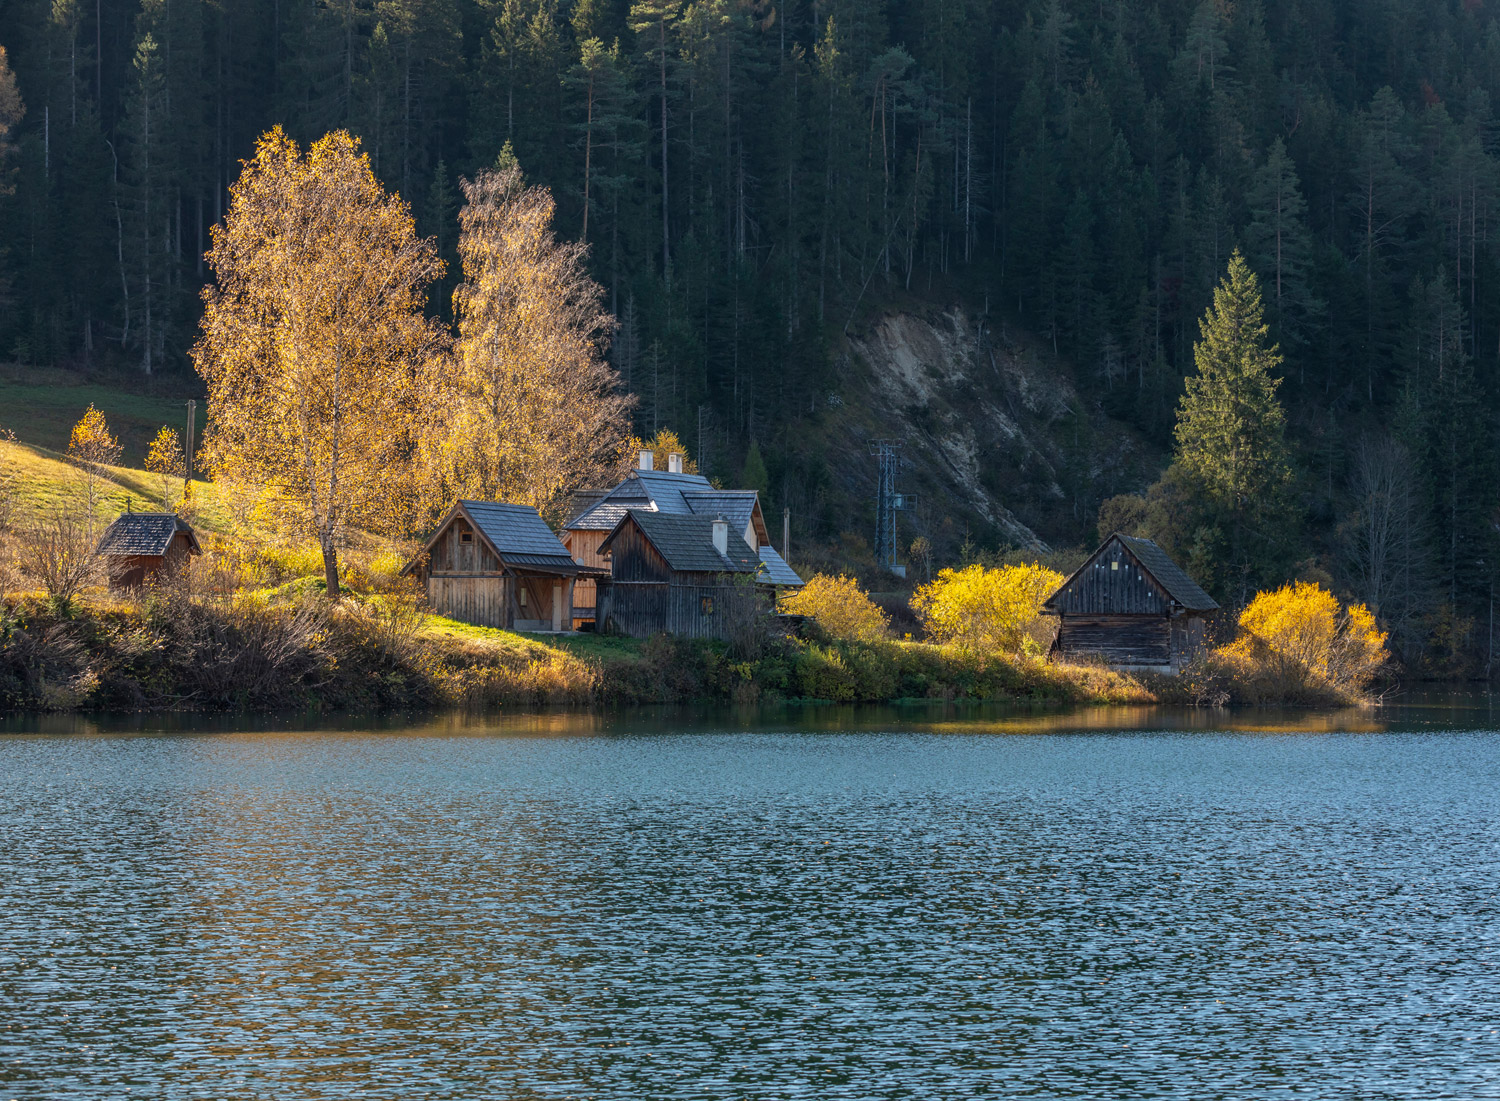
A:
x: 56, y: 551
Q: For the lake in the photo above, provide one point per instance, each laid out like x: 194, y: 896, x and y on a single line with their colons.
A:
x: 1119, y: 903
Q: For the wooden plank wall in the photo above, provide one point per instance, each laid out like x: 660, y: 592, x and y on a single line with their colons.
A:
x: 1114, y: 584
x: 483, y: 601
x: 584, y: 547
x: 450, y: 554
x: 642, y: 609
x: 1118, y: 639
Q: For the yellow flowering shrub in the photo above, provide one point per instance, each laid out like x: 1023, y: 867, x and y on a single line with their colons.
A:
x: 980, y: 609
x: 1300, y: 632
x: 841, y: 608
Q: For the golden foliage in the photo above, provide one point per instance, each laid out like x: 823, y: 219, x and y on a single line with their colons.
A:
x: 90, y: 444
x: 164, y: 458
x: 1300, y: 636
x: 314, y: 341
x: 531, y: 409
x: 660, y: 445
x: 841, y: 608
x: 995, y: 609
x: 92, y: 449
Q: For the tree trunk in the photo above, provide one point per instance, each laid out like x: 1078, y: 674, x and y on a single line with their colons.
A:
x: 330, y: 567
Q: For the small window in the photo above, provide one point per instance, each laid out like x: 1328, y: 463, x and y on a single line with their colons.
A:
x: 523, y: 597
x: 706, y: 605
x: 466, y: 537
x: 1114, y: 565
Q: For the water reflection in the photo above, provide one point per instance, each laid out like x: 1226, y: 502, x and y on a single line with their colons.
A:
x: 529, y: 908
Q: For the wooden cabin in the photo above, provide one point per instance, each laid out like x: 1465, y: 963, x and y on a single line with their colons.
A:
x: 138, y: 546
x: 597, y: 512
x: 1131, y: 605
x: 498, y: 565
x: 683, y: 575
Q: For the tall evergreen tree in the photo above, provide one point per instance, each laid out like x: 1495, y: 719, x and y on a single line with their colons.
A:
x: 1231, y: 433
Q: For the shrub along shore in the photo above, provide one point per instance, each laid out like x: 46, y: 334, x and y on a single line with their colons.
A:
x: 293, y: 649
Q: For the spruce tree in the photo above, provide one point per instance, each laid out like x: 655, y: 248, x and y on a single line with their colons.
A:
x: 1231, y: 442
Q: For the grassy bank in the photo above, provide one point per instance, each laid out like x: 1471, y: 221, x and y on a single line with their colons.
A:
x: 380, y: 653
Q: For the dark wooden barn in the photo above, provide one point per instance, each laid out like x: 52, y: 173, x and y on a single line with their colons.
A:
x: 138, y: 546
x: 685, y: 575
x: 498, y: 565
x: 597, y: 512
x: 1132, y: 606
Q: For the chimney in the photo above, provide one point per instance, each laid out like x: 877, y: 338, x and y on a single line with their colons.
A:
x: 721, y: 535
x: 643, y: 459
x: 674, y: 462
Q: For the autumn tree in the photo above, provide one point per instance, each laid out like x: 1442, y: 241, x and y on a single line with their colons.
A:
x: 164, y: 458
x: 314, y: 342
x: 532, y: 410
x: 93, y: 450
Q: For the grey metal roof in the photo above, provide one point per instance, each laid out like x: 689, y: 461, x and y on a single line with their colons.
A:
x: 641, y: 489
x: 687, y: 543
x: 518, y: 534
x: 775, y: 570
x: 1168, y: 574
x: 735, y: 505
x: 145, y: 533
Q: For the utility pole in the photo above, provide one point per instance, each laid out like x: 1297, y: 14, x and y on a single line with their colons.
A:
x: 187, y: 465
x: 786, y: 536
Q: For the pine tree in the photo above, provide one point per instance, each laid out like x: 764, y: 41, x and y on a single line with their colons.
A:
x: 1279, y: 246
x: 1231, y: 431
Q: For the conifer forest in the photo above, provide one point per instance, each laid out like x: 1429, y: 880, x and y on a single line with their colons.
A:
x: 754, y: 180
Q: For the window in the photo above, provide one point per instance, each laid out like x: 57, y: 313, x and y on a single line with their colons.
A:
x: 522, y: 597
x: 1114, y: 565
x: 466, y: 537
x: 706, y: 605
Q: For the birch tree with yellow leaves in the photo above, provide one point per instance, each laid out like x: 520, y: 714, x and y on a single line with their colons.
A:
x: 532, y: 411
x: 314, y: 344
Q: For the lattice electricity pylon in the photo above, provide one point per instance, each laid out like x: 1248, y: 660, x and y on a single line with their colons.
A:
x: 887, y: 501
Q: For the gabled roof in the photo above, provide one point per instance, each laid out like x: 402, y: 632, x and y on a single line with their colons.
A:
x: 145, y: 533
x: 735, y: 505
x: 687, y: 543
x: 516, y: 533
x: 641, y: 489
x: 775, y: 570
x: 1169, y: 577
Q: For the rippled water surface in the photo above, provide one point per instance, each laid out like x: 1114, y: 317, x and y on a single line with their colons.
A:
x: 577, y: 908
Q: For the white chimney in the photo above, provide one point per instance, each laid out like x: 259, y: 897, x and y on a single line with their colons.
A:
x: 643, y: 459
x: 674, y: 462
x: 721, y: 535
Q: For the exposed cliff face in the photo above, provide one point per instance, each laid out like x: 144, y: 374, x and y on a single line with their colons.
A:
x: 996, y: 433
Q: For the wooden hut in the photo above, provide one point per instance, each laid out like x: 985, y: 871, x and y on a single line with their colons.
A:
x: 597, y: 512
x: 498, y: 565
x: 1131, y: 605
x: 138, y: 546
x: 685, y: 575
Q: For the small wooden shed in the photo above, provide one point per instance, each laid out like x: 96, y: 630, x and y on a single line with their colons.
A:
x: 138, y: 546
x: 498, y: 565
x: 685, y: 575
x: 1131, y: 605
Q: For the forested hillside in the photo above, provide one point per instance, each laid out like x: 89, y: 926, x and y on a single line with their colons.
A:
x: 758, y: 181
